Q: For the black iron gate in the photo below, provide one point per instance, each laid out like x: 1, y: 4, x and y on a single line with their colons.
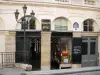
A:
x: 32, y: 53
x: 35, y: 53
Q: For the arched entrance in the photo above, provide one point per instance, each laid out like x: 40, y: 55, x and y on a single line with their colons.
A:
x: 89, y: 44
x: 61, y: 41
x: 32, y: 53
x: 35, y: 53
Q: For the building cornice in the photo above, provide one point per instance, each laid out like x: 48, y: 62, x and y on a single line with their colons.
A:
x: 50, y: 4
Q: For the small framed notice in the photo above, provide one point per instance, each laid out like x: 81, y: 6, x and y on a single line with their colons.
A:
x: 46, y: 24
x: 65, y: 60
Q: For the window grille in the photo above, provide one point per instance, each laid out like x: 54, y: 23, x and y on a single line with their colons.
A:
x: 61, y: 24
x: 88, y: 25
x: 28, y: 22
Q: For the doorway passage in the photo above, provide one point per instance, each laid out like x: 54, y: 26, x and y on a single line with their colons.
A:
x: 35, y: 53
x: 33, y: 49
x: 60, y: 42
x: 89, y: 51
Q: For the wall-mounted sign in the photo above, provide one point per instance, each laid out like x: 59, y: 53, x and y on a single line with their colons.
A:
x: 75, y: 25
x: 77, y: 50
x: 46, y: 24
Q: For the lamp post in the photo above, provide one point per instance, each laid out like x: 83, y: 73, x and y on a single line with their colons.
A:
x: 24, y: 23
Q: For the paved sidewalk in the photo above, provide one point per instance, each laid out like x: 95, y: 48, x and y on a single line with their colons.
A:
x: 7, y: 71
x: 78, y: 71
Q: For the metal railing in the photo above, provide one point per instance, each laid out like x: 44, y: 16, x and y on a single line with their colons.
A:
x: 8, y: 59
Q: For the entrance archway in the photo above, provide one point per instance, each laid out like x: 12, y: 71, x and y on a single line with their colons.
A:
x: 32, y: 24
x: 60, y: 43
x: 31, y: 54
x: 33, y: 49
x: 89, y: 51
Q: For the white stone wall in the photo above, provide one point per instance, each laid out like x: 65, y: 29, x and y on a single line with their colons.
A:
x: 2, y: 44
x: 44, y: 12
x: 72, y: 2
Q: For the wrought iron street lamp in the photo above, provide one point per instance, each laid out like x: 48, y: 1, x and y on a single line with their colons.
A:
x: 24, y: 23
x: 32, y: 14
x: 16, y: 14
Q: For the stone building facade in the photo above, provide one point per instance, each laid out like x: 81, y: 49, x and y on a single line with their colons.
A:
x: 80, y: 18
